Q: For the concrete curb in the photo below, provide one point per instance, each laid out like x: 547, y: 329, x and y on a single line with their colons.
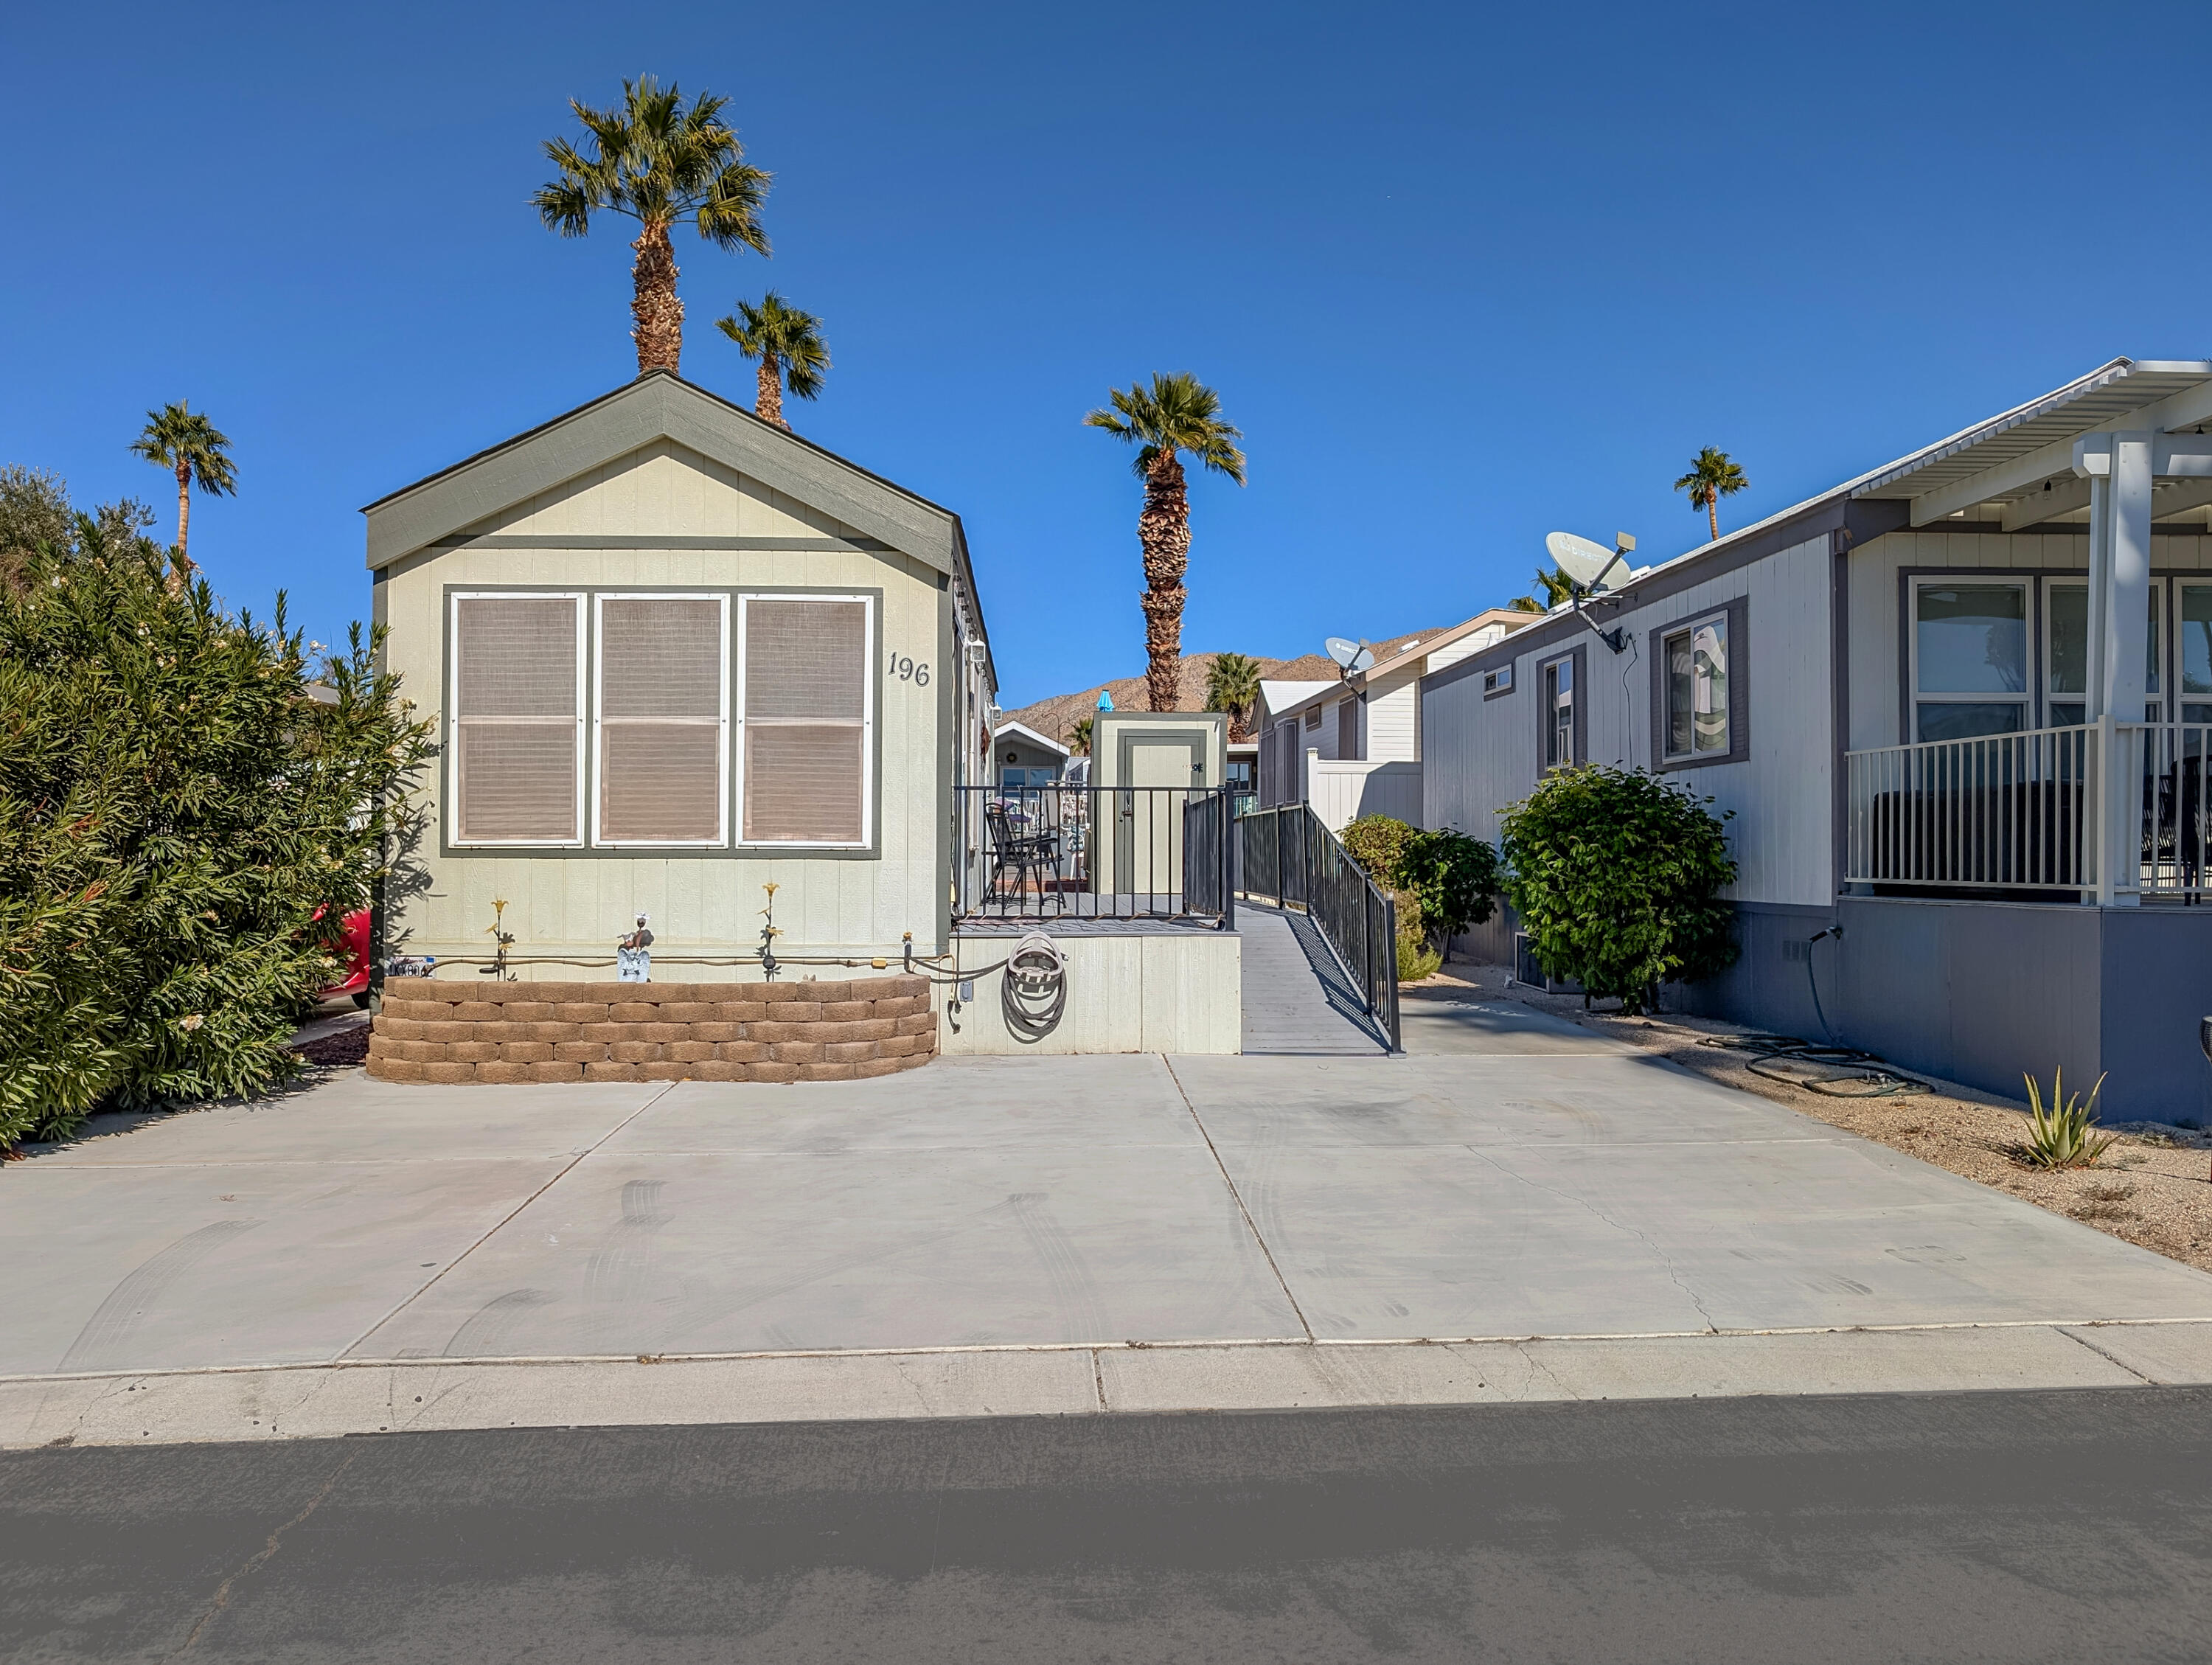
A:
x: 328, y: 1401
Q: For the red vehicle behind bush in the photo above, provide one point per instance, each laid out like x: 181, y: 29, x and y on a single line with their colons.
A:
x: 353, y: 958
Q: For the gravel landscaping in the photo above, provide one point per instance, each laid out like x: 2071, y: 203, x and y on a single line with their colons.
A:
x: 2154, y: 1187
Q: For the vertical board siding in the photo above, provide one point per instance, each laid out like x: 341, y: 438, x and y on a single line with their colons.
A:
x: 706, y: 906
x: 1479, y: 755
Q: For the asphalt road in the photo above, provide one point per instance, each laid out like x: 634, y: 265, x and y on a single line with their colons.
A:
x: 2015, y: 1527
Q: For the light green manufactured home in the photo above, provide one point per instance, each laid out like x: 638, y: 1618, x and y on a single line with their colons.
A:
x: 677, y: 655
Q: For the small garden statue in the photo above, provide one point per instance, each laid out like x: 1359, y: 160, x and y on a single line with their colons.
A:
x: 634, y: 956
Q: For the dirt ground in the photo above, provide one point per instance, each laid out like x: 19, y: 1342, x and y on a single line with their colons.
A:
x: 2154, y: 1187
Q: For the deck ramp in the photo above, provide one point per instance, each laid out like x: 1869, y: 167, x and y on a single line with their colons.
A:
x: 1297, y: 998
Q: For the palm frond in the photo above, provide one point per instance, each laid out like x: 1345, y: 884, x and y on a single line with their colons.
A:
x: 661, y: 161
x: 1176, y: 412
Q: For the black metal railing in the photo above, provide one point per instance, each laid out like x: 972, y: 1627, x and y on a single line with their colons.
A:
x: 1288, y: 855
x: 1085, y: 852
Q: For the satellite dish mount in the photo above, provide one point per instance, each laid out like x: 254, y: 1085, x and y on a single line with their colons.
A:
x: 1587, y: 568
x: 1352, y: 657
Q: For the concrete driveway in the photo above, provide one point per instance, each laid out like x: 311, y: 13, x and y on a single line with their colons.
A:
x: 1515, y: 1177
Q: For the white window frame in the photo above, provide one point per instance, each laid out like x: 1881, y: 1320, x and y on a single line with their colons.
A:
x: 453, y: 724
x: 1547, y: 690
x: 597, y: 796
x: 2030, y: 639
x: 2164, y: 641
x: 1689, y: 627
x: 867, y: 722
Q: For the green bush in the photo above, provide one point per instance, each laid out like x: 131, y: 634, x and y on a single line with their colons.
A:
x: 1452, y: 878
x: 1616, y: 875
x: 174, y: 813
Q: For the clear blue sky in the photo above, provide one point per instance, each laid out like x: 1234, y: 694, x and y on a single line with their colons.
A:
x: 1462, y: 273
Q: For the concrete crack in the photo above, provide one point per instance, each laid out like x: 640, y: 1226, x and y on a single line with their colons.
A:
x: 1542, y: 1369
x: 255, y: 1562
x: 1643, y: 1237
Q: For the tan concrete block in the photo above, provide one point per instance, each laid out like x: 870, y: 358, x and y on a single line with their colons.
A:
x: 921, y: 1022
x: 716, y: 1070
x: 825, y: 1072
x: 688, y: 1011
x: 739, y: 1051
x: 411, y: 988
x: 691, y: 1052
x: 450, y: 1075
x: 715, y: 1033
x: 849, y: 1052
x: 633, y: 1052
x: 777, y: 994
x: 402, y: 1029
x: 665, y: 1071
x: 580, y: 1012
x: 903, y: 1006
x: 885, y: 988
x: 419, y: 1011
x: 846, y: 1012
x: 635, y: 1011
x: 740, y: 1011
x: 901, y: 1046
x: 796, y: 1052
x: 473, y: 1052
x: 663, y: 1033
x: 872, y: 1028
x: 476, y: 1011
x: 875, y: 1066
x: 525, y: 1051
x: 558, y: 1031
x: 603, y: 1033
x: 539, y: 1009
x: 802, y: 1011
x: 421, y: 1051
x: 609, y: 1071
x: 774, y: 1030
x: 766, y: 1071
x: 394, y: 1069
x: 580, y: 1052
x: 505, y: 1074
x: 496, y: 1032
x: 556, y: 1071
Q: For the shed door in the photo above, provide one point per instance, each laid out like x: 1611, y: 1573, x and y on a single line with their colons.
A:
x: 1148, y: 845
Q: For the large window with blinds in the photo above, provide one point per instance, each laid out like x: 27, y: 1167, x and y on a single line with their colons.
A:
x: 517, y: 725
x: 805, y: 718
x: 661, y: 720
x: 643, y: 719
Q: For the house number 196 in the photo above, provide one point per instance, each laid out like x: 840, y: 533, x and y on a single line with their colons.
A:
x: 906, y: 670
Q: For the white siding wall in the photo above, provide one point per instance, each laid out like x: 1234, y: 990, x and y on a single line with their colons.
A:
x: 1876, y: 581
x: 1394, y: 717
x: 1479, y: 755
x: 576, y: 905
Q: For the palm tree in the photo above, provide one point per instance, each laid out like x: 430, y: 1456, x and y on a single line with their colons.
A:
x: 661, y: 165
x: 1078, y: 737
x: 1176, y: 414
x: 182, y: 439
x: 1712, y: 477
x: 1232, y: 685
x: 788, y: 344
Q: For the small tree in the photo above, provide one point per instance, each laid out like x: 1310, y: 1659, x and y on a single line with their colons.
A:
x: 1445, y: 879
x: 183, y: 831
x: 1233, y: 685
x: 1616, y: 875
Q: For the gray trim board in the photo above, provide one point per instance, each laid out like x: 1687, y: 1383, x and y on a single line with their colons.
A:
x: 563, y: 540
x: 1738, y: 614
x: 1840, y: 702
x: 732, y: 851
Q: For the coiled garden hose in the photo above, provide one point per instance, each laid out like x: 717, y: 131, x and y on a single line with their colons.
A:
x: 1847, y: 1072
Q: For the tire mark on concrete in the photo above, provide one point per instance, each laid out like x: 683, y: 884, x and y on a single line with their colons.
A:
x: 486, y: 1332
x: 127, y: 1302
x: 1081, y: 1312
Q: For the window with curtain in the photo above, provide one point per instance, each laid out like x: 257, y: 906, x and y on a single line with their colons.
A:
x: 517, y: 719
x: 2066, y: 655
x: 1696, y: 659
x: 1969, y: 659
x: 662, y: 719
x: 806, y: 709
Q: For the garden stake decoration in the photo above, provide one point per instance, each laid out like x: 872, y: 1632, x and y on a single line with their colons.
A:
x: 769, y: 932
x: 498, y: 967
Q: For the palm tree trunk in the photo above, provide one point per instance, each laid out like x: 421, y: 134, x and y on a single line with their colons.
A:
x: 1164, y: 533
x: 180, y: 569
x: 658, y: 314
x: 768, y: 403
x: 1713, y: 516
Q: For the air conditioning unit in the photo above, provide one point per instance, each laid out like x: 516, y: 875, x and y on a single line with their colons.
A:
x: 1525, y: 970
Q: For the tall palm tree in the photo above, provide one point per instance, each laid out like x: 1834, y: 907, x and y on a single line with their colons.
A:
x: 662, y: 166
x: 788, y: 344
x: 1712, y: 477
x: 1176, y: 414
x: 1232, y: 685
x: 186, y: 441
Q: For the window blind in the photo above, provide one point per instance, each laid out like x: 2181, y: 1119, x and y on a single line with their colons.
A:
x: 661, y: 720
x: 805, y: 717
x: 517, y: 719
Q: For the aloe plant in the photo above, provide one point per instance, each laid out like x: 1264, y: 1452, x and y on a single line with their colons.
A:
x: 2062, y: 1135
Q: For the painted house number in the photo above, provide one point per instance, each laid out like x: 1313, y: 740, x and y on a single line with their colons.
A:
x: 906, y: 670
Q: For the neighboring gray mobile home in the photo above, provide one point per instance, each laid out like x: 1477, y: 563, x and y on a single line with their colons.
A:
x: 675, y: 654
x: 1961, y: 707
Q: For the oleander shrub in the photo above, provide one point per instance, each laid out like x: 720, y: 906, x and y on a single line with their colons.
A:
x: 1616, y: 876
x: 183, y: 829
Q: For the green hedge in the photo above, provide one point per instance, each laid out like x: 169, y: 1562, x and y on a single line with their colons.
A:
x: 1443, y: 879
x: 175, y: 810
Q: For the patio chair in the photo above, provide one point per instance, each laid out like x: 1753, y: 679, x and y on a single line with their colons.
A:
x: 1023, y: 853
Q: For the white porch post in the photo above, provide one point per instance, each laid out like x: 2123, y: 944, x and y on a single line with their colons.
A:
x: 2127, y: 640
x: 2120, y: 467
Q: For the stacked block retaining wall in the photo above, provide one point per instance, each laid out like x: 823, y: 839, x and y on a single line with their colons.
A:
x: 434, y: 1030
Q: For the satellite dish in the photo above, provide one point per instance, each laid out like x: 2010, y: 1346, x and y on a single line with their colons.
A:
x: 1351, y: 656
x: 1585, y: 562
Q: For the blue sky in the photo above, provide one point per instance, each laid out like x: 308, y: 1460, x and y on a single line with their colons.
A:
x: 1463, y: 274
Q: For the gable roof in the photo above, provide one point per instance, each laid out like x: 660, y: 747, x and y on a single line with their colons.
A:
x: 1031, y: 735
x: 1279, y: 695
x: 1422, y: 646
x: 660, y: 404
